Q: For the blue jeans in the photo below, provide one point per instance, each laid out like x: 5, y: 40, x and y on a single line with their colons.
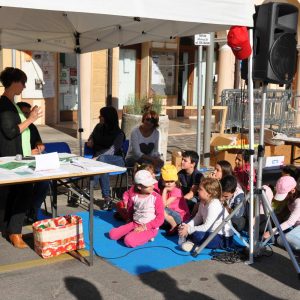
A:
x: 176, y: 216
x: 218, y: 242
x: 293, y: 238
x: 104, y: 178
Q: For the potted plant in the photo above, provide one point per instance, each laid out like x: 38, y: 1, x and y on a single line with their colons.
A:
x: 132, y: 117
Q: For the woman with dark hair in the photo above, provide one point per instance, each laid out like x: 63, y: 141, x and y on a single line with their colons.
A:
x: 14, y: 139
x: 106, y: 140
x: 144, y: 142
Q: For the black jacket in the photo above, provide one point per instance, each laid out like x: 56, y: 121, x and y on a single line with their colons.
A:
x: 10, y: 136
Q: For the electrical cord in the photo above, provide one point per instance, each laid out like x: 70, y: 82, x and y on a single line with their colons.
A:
x: 134, y: 250
x: 229, y: 257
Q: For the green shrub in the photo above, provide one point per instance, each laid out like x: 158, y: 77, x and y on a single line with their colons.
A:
x: 138, y: 106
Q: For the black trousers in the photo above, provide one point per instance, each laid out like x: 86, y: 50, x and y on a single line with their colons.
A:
x: 4, y: 191
x: 15, y: 200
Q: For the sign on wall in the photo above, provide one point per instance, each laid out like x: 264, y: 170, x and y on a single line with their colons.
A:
x: 163, y: 72
x: 40, y: 71
x: 202, y: 39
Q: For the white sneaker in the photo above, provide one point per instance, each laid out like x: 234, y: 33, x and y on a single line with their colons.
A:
x: 187, y: 246
x: 151, y: 240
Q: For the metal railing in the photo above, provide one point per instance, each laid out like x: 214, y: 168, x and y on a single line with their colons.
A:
x: 280, y: 114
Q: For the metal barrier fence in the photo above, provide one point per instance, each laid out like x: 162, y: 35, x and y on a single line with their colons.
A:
x: 279, y: 112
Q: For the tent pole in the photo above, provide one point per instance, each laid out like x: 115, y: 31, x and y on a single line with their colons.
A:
x: 109, y: 77
x: 13, y: 58
x: 80, y: 129
x: 251, y: 148
x: 199, y: 103
x: 208, y: 100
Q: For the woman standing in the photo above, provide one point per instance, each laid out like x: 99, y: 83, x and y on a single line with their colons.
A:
x: 14, y: 139
x: 106, y: 140
x: 144, y: 140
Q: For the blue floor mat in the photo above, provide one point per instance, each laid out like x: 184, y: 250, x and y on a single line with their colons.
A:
x: 160, y: 254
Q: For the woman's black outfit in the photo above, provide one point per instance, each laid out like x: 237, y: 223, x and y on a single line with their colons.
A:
x: 14, y: 199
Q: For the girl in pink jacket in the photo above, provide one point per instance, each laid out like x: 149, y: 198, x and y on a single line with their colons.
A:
x: 145, y: 206
x: 121, y: 206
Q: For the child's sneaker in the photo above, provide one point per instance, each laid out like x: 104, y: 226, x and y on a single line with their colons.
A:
x: 151, y: 240
x: 181, y: 240
x: 107, y: 204
x: 187, y: 246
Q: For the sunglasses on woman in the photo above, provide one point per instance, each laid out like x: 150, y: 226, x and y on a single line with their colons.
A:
x: 152, y: 120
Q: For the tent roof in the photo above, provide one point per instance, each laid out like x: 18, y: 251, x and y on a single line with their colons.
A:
x: 53, y: 25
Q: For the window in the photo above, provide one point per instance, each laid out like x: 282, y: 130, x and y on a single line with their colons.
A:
x: 163, y: 72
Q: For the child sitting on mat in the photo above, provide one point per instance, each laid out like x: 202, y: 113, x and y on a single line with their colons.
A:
x: 176, y: 208
x: 145, y: 206
x: 222, y: 168
x: 242, y: 170
x: 232, y: 196
x: 210, y: 215
x: 121, y: 206
x: 288, y: 189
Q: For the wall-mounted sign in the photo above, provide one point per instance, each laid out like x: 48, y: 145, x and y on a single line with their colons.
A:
x: 202, y: 39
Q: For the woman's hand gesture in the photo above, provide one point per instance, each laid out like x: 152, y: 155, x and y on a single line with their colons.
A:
x: 35, y: 114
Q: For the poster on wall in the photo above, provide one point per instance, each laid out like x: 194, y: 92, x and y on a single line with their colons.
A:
x: 64, y: 81
x: 163, y: 72
x: 40, y: 71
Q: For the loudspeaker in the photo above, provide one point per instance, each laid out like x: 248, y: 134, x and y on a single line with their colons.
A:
x: 274, y: 45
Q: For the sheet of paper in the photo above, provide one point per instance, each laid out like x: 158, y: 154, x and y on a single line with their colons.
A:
x: 12, y: 165
x: 47, y: 173
x: 94, y: 165
x: 49, y: 161
x: 8, y: 176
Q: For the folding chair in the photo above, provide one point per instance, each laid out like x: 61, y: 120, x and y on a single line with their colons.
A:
x: 88, y: 153
x: 60, y: 147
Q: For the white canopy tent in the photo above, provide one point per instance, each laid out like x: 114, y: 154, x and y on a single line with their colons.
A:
x: 54, y: 25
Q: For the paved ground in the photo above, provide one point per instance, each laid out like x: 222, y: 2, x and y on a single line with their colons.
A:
x: 23, y: 275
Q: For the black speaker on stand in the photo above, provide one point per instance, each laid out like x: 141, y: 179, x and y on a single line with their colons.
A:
x: 274, y: 45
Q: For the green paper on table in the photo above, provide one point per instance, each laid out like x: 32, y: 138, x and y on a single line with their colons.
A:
x: 13, y: 165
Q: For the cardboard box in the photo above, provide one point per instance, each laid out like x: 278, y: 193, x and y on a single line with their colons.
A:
x: 296, y: 152
x: 222, y: 140
x: 176, y: 159
x: 283, y: 150
x: 273, y: 161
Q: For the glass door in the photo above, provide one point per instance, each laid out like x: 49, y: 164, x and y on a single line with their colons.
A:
x: 127, y: 76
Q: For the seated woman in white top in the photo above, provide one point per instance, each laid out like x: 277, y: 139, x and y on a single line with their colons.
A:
x: 143, y: 143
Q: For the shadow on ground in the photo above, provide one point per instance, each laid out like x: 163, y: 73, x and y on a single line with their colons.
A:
x: 167, y: 286
x: 242, y: 289
x: 279, y: 268
x: 82, y: 289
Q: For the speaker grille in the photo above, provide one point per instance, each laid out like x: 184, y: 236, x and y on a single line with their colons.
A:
x: 283, y: 57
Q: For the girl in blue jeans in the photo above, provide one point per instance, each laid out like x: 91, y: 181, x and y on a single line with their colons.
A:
x: 210, y: 215
x: 106, y: 141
